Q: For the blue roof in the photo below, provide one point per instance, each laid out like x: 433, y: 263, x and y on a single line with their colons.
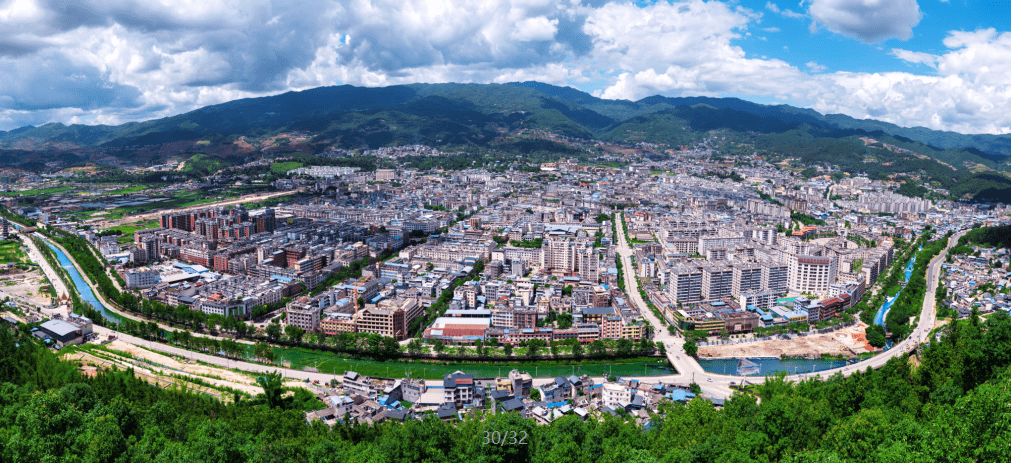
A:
x: 680, y: 395
x: 556, y: 404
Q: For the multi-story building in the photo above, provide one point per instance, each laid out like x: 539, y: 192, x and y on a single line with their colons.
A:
x: 685, y: 285
x: 458, y: 388
x: 747, y: 277
x: 717, y: 281
x: 303, y: 314
x: 141, y: 278
x: 812, y: 274
x: 615, y: 395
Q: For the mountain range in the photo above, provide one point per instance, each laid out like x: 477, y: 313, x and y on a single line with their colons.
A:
x: 563, y: 109
x: 482, y: 114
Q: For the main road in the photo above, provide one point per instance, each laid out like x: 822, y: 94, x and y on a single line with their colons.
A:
x: 689, y: 369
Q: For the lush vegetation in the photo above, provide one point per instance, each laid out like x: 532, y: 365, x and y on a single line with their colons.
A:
x: 950, y: 408
x: 910, y: 302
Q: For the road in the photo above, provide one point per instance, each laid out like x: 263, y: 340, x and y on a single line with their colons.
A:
x: 109, y: 305
x: 228, y: 202
x: 689, y: 369
x: 33, y: 252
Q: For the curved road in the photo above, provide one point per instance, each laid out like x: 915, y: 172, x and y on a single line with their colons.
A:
x: 689, y: 369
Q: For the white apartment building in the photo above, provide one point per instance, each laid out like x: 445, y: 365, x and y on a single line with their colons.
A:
x: 685, y: 284
x: 812, y: 274
x: 141, y: 278
x: 747, y: 277
x: 303, y: 314
x: 613, y: 394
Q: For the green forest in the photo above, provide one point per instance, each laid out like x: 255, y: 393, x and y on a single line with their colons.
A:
x: 951, y: 407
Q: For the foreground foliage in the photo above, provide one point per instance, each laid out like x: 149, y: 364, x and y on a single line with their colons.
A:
x: 950, y: 408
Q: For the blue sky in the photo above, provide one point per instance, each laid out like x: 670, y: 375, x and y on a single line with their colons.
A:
x: 939, y: 64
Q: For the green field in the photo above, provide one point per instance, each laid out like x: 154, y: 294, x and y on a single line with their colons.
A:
x: 42, y: 191
x: 12, y: 251
x: 128, y: 230
x: 326, y: 362
x: 132, y: 189
x: 282, y: 167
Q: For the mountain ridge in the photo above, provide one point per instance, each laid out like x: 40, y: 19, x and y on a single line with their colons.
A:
x: 547, y: 106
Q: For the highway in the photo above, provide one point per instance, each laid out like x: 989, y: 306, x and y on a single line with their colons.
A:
x: 690, y: 370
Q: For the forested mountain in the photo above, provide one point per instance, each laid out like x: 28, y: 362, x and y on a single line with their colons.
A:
x: 531, y: 103
x: 948, y: 405
x: 485, y: 115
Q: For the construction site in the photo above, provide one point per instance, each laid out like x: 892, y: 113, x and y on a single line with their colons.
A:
x: 847, y: 342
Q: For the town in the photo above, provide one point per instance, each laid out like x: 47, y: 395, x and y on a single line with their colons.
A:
x: 690, y: 254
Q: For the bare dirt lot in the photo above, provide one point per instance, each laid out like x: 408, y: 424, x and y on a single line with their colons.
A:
x: 847, y: 342
x: 229, y: 378
x: 25, y: 283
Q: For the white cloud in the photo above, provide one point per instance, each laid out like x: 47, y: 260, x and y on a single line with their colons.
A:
x: 869, y: 21
x: 915, y: 57
x: 117, y: 61
x: 538, y: 28
x: 815, y: 67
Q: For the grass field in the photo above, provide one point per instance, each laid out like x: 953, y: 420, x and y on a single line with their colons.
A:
x: 42, y: 191
x: 326, y: 362
x: 132, y: 189
x: 12, y: 251
x: 282, y: 167
x: 128, y: 230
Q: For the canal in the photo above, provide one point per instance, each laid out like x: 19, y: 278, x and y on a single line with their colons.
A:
x: 770, y: 366
x: 82, y: 288
x: 879, y: 318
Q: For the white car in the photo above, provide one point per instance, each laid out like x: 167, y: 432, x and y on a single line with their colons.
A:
x: 709, y: 380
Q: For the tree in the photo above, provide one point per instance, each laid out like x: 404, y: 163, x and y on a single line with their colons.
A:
x: 508, y: 348
x: 690, y: 348
x: 695, y: 388
x: 273, y: 331
x: 479, y: 348
x: 598, y: 349
x: 624, y: 348
x: 294, y: 333
x: 876, y: 335
x: 535, y: 394
x: 263, y: 351
x: 438, y: 346
x: 272, y: 389
x: 390, y: 347
x: 564, y: 320
x: 577, y: 349
x: 414, y: 346
x: 534, y: 346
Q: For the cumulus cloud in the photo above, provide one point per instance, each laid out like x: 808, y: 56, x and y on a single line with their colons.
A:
x: 869, y: 21
x: 970, y: 92
x: 114, y: 61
